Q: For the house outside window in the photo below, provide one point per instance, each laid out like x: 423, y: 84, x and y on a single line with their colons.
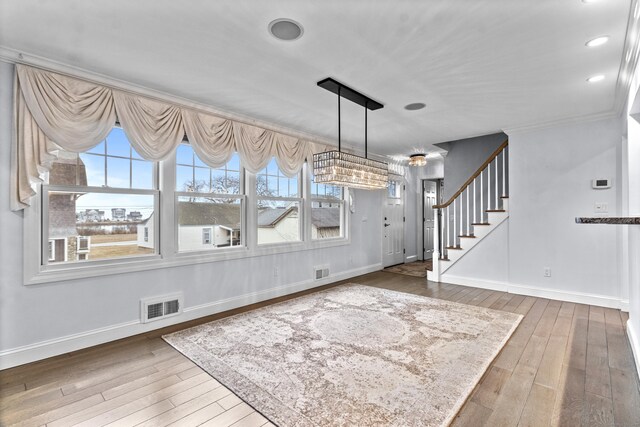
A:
x: 279, y: 205
x: 209, y: 203
x: 327, y: 211
x: 86, y: 199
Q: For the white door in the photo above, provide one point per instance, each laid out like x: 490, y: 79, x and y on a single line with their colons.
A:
x: 393, y: 224
x: 428, y: 199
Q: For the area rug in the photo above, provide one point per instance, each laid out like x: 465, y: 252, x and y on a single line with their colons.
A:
x: 352, y: 355
x: 415, y: 269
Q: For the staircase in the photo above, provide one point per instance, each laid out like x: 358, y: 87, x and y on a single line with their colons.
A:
x: 479, y: 206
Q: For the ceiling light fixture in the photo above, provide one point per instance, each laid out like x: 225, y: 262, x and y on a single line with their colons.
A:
x: 595, y: 79
x: 285, y: 29
x: 598, y: 41
x: 418, y: 160
x: 415, y: 106
x: 344, y: 169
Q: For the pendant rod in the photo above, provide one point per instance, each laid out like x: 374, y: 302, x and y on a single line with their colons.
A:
x: 365, y: 130
x: 339, y: 124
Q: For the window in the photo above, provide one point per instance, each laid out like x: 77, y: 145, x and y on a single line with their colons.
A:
x: 82, y: 243
x: 279, y: 204
x: 327, y: 211
x: 52, y: 250
x: 87, y: 198
x: 206, y: 236
x: 209, y: 202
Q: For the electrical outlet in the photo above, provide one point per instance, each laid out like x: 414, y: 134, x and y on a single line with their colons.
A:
x: 547, y: 272
x: 601, y: 207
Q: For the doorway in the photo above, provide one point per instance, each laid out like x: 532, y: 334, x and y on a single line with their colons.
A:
x: 393, y: 224
x: 431, y: 190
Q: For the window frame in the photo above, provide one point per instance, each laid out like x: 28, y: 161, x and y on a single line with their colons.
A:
x: 302, y: 215
x: 165, y: 221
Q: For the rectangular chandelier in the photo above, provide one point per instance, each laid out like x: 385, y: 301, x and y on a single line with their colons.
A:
x: 344, y: 169
x: 348, y: 170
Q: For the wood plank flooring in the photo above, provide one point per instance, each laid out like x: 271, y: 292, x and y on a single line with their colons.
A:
x: 566, y: 365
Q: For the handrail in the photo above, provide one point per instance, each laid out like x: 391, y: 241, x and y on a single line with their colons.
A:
x: 474, y: 176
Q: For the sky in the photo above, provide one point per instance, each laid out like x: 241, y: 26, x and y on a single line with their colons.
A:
x: 125, y: 168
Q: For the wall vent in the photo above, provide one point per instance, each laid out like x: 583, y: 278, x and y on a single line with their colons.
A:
x: 156, y: 308
x: 321, y: 271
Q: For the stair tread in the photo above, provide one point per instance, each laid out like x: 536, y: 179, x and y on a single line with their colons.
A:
x: 443, y: 259
x: 504, y: 197
x: 468, y: 237
x: 495, y: 210
x: 480, y: 223
x: 454, y: 247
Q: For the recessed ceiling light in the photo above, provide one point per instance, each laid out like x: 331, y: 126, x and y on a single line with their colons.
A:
x: 598, y: 41
x: 415, y: 106
x: 595, y: 79
x: 285, y: 29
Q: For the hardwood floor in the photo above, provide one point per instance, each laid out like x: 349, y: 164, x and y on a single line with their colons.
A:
x: 566, y: 365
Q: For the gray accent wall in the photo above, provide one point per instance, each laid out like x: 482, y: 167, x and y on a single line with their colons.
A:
x: 464, y: 157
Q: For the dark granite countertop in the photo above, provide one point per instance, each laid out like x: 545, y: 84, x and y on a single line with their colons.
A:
x: 609, y: 220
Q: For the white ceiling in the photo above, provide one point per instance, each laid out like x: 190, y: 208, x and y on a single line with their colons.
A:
x: 480, y: 65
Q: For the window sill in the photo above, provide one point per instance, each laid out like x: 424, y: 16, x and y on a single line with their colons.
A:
x: 154, y: 262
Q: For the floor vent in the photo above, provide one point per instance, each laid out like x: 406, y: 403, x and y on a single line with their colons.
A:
x: 321, y: 271
x: 157, y: 308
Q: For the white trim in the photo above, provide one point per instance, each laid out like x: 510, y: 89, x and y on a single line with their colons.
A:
x: 634, y: 342
x: 49, y: 348
x: 410, y: 258
x: 569, y: 296
x: 585, y: 118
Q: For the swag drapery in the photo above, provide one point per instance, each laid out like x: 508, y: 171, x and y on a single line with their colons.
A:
x: 56, y: 112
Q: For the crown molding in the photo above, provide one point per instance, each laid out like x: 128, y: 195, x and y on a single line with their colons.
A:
x: 611, y: 114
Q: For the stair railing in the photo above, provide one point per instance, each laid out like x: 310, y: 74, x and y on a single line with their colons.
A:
x: 483, y: 192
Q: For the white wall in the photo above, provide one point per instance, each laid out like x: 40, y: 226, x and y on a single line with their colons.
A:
x: 40, y: 320
x: 550, y: 184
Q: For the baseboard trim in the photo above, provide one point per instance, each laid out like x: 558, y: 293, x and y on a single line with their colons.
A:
x: 634, y: 341
x: 474, y: 283
x: 577, y: 297
x: 49, y: 348
x: 411, y: 258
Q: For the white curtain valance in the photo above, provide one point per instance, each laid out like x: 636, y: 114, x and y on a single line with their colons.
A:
x: 53, y: 112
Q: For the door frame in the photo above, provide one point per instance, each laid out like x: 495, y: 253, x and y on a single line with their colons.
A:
x: 439, y: 186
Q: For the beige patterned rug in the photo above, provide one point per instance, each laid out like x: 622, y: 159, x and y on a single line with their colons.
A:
x: 352, y: 356
x: 415, y: 269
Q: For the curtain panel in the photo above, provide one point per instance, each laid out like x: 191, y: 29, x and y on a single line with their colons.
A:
x: 55, y: 112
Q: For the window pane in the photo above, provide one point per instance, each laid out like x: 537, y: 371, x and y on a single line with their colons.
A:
x: 232, y: 183
x: 93, y: 226
x: 118, y: 144
x: 234, y: 163
x: 198, y: 162
x: 98, y: 149
x: 278, y: 221
x: 326, y: 219
x: 118, y: 172
x: 271, y: 182
x: 203, y: 180
x: 205, y: 223
x: 94, y: 170
x: 184, y: 155
x: 142, y: 174
x: 184, y: 178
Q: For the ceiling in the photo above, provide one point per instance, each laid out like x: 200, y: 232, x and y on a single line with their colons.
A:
x: 480, y: 66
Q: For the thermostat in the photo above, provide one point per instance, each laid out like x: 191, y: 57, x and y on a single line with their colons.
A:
x: 599, y: 184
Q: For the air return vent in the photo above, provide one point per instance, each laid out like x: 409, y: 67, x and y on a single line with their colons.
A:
x: 321, y: 271
x: 156, y: 308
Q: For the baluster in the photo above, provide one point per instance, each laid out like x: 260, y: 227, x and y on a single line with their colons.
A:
x: 448, y: 232
x: 455, y: 223
x: 441, y: 232
x: 497, y: 181
x: 489, y: 186
x: 504, y: 172
x: 475, y: 200
x: 468, y: 219
x: 481, y: 198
